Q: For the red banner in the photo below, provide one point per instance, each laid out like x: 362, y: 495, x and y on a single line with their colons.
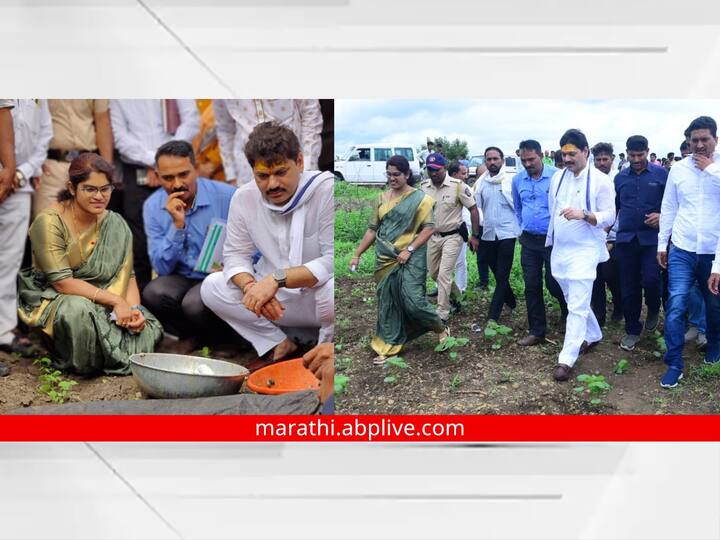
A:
x: 361, y: 428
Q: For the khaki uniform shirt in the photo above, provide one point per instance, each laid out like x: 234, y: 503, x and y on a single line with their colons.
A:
x: 73, y: 123
x: 450, y: 198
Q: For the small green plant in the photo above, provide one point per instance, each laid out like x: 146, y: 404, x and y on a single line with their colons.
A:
x: 451, y: 343
x: 394, y: 365
x: 456, y: 382
x: 341, y: 364
x: 340, y: 383
x: 621, y: 367
x: 205, y: 352
x: 660, y: 343
x: 595, y: 385
x: 53, y: 384
x: 497, y: 334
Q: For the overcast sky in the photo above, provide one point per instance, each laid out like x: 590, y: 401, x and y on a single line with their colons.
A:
x: 505, y: 123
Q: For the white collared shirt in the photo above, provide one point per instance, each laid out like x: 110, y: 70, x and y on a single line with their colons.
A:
x: 236, y: 118
x: 252, y: 227
x: 690, y: 210
x: 138, y: 127
x: 33, y: 130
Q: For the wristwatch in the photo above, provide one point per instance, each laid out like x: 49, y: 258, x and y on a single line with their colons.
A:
x: 410, y: 248
x: 586, y: 215
x: 20, y: 177
x: 279, y: 276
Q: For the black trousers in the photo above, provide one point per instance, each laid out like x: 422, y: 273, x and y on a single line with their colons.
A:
x: 483, y: 270
x: 533, y: 257
x: 134, y: 197
x: 608, y: 273
x: 175, y: 301
x: 641, y: 273
x: 499, y: 256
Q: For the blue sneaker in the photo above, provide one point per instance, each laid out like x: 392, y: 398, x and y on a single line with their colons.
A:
x: 671, y: 378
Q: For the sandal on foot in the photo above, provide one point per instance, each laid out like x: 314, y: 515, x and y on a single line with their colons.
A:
x: 379, y: 360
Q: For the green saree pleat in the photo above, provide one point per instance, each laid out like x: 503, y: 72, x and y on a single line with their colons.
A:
x: 82, y: 336
x: 403, y: 310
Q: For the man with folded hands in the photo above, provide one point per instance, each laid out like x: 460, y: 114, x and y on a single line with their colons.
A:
x: 287, y: 215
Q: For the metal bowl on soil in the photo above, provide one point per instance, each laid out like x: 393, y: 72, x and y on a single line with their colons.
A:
x: 174, y: 376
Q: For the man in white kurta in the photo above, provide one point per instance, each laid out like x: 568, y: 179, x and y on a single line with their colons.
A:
x: 287, y: 216
x: 236, y: 118
x: 32, y: 128
x: 582, y: 204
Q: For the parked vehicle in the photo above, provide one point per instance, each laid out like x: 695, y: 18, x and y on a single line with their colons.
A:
x: 511, y: 165
x: 365, y: 163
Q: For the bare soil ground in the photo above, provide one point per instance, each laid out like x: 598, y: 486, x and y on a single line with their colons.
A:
x: 510, y: 379
x: 20, y: 388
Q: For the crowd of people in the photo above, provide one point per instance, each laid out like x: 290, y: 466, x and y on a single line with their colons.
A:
x: 587, y: 222
x: 118, y: 199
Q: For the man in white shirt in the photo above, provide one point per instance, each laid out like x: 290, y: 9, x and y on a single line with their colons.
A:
x: 690, y: 213
x: 140, y: 127
x: 236, y: 118
x: 582, y: 203
x: 32, y: 128
x: 287, y: 215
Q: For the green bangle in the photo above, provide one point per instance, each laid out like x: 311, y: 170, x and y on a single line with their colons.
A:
x: 138, y: 308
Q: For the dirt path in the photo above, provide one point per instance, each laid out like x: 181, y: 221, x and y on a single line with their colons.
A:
x: 508, y: 380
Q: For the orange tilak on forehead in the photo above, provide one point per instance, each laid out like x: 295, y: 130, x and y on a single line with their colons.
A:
x: 569, y: 148
x: 267, y: 168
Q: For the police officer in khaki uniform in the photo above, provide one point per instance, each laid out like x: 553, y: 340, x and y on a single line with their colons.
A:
x: 79, y: 125
x: 444, y: 245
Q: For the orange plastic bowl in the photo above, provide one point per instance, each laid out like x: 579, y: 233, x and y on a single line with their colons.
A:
x: 283, y: 377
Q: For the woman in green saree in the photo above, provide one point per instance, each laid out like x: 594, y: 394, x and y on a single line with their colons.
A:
x: 401, y: 224
x: 81, y: 291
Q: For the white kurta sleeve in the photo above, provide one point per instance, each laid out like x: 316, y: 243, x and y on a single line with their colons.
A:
x: 311, y: 139
x: 189, y: 120
x: 226, y: 131
x: 239, y: 248
x: 668, y: 210
x: 322, y: 267
x: 127, y: 143
x: 33, y: 165
x: 605, y: 204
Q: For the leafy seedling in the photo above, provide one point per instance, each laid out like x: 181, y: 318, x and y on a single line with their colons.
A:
x: 595, y: 385
x: 456, y: 382
x: 394, y: 365
x: 53, y: 384
x: 661, y: 345
x: 496, y: 332
x: 451, y: 343
x: 621, y: 367
x: 340, y: 384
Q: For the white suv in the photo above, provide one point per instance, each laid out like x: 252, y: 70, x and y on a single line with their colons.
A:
x: 365, y: 163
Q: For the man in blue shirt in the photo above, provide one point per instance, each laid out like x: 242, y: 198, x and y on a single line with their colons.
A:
x: 639, y: 191
x: 177, y: 219
x: 530, y: 197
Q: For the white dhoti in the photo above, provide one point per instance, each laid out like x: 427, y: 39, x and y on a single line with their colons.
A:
x: 581, y: 323
x: 311, y: 308
x: 574, y: 268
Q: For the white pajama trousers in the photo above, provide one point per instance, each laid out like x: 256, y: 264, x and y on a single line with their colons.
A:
x: 581, y: 322
x: 14, y: 222
x: 313, y: 308
x: 461, y: 271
